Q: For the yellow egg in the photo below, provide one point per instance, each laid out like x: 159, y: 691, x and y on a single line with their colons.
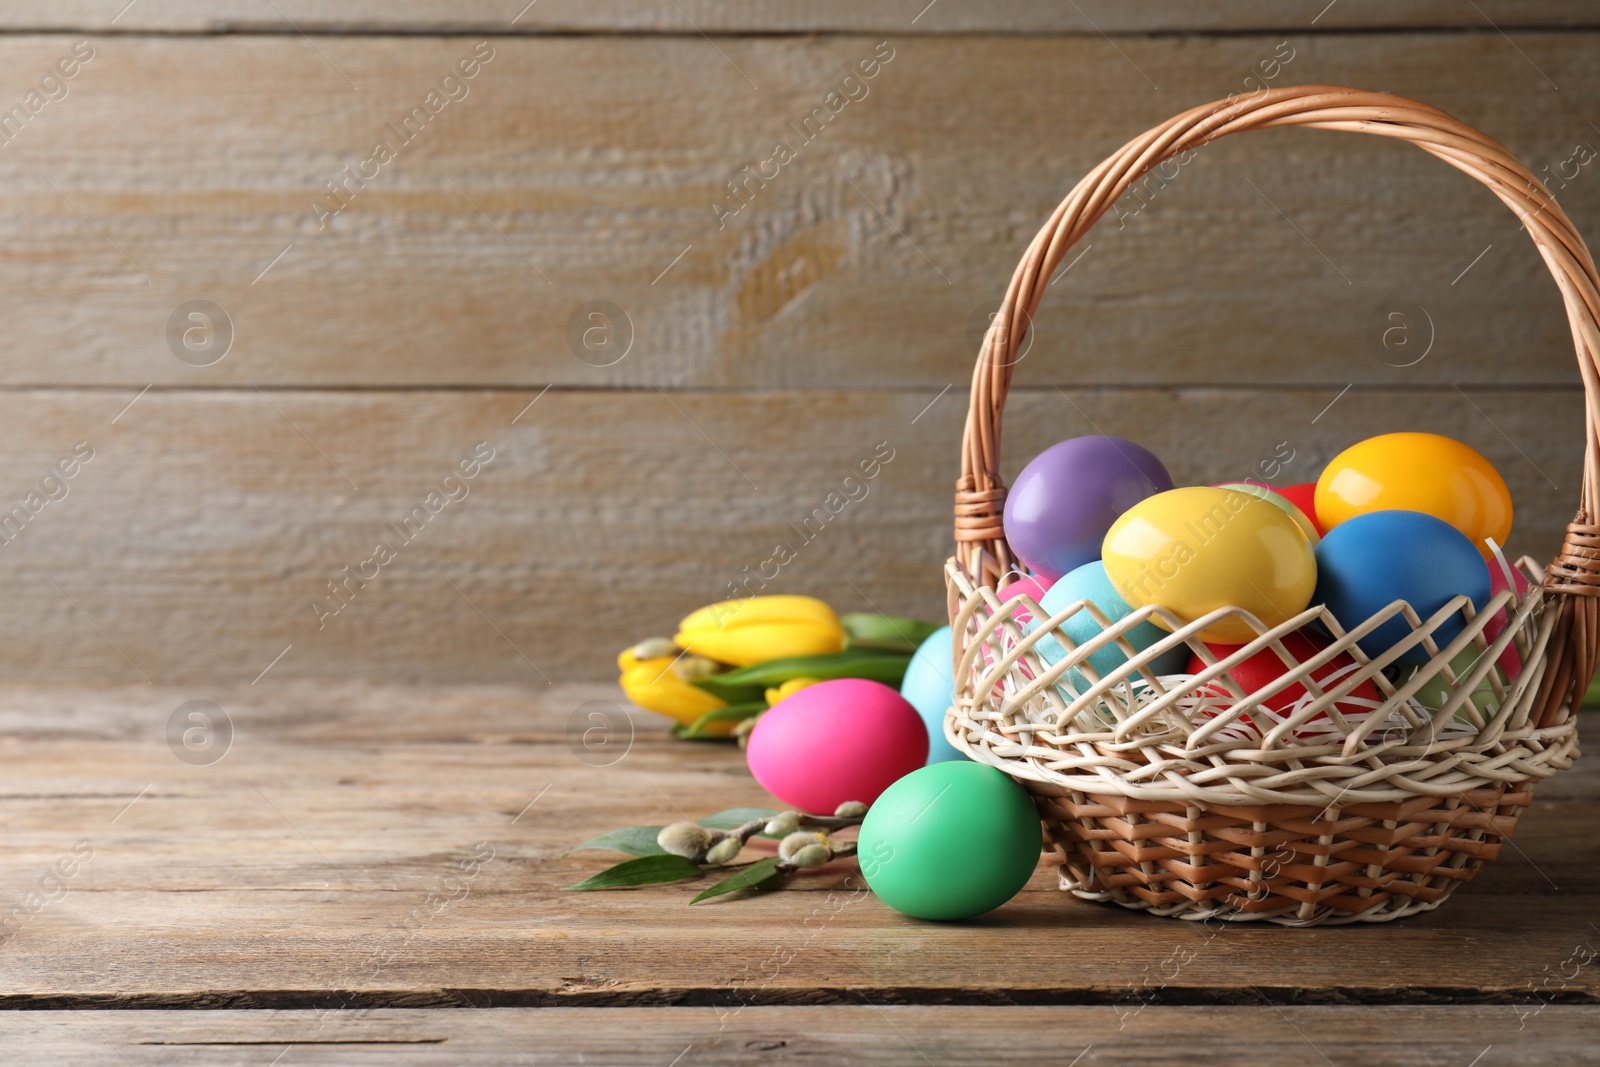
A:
x: 1418, y: 472
x: 1198, y: 549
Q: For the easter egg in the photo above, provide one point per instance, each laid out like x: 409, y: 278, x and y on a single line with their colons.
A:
x: 950, y: 841
x: 1509, y: 661
x: 1089, y: 582
x: 1278, y: 500
x: 1068, y: 496
x: 1197, y: 549
x: 929, y: 688
x: 1366, y: 563
x: 845, y: 739
x: 1265, y: 667
x: 1422, y: 472
x: 1022, y: 585
x: 1436, y: 692
x: 1304, y: 497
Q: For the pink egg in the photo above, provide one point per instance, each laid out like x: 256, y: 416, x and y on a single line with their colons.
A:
x: 848, y: 739
x: 1019, y: 585
x: 1509, y: 661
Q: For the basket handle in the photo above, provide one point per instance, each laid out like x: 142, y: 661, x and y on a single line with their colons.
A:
x: 1575, y: 573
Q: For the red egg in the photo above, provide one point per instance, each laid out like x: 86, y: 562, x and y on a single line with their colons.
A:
x: 845, y: 739
x: 1304, y: 497
x: 1274, y: 496
x: 1266, y: 667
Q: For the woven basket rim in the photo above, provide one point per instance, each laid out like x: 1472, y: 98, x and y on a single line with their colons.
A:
x: 1011, y: 713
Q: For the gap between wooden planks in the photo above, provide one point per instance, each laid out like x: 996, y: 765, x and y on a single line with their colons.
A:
x: 1090, y: 17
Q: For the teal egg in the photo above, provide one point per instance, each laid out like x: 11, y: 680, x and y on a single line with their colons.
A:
x: 950, y: 841
x: 931, y: 690
x: 1090, y: 582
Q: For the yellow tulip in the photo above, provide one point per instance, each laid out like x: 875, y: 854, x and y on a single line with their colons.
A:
x: 757, y: 629
x: 789, y: 688
x: 656, y: 684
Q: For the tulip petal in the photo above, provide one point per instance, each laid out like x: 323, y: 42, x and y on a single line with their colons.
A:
x: 759, y: 610
x: 745, y: 645
x: 652, y: 685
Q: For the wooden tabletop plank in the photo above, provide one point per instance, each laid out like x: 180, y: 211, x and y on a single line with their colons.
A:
x: 323, y: 862
x: 577, y: 169
x: 532, y: 948
x: 858, y: 1035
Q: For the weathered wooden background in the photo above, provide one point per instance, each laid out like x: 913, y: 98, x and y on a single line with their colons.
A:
x: 763, y: 352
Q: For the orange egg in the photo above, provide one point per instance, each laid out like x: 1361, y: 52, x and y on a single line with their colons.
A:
x: 1422, y: 472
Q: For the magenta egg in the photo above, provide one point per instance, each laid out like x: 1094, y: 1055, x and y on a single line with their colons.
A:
x: 1018, y: 585
x: 1066, y: 498
x: 848, y: 739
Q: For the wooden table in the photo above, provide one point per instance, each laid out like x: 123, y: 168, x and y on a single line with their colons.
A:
x: 371, y: 875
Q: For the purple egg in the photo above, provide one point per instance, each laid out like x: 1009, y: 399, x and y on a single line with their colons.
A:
x: 1066, y: 499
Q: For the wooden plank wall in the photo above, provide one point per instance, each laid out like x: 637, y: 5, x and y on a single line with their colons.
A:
x: 760, y: 344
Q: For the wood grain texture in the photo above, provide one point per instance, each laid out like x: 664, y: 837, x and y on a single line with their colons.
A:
x: 860, y: 1034
x: 195, y: 543
x: 581, y: 168
x: 319, y: 865
x: 775, y: 16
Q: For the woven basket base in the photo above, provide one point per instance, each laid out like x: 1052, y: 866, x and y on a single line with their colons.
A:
x: 1294, y: 865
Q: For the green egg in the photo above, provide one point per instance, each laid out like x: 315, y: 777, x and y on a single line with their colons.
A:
x: 950, y: 841
x: 1436, y: 692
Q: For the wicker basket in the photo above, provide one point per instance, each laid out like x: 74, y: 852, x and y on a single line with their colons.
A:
x: 1151, y: 796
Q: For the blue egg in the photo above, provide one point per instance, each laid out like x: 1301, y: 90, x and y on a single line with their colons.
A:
x: 1090, y: 582
x: 930, y: 689
x: 1366, y: 563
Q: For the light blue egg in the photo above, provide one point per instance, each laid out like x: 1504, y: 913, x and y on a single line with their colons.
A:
x: 931, y: 690
x: 1090, y: 582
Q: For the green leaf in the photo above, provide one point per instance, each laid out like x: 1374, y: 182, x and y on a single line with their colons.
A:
x: 1591, y: 698
x: 696, y: 731
x: 733, y: 693
x: 886, y: 667
x: 735, y: 817
x: 758, y: 875
x: 885, y: 633
x: 634, y: 840
x: 685, y: 733
x: 732, y: 711
x: 645, y: 870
